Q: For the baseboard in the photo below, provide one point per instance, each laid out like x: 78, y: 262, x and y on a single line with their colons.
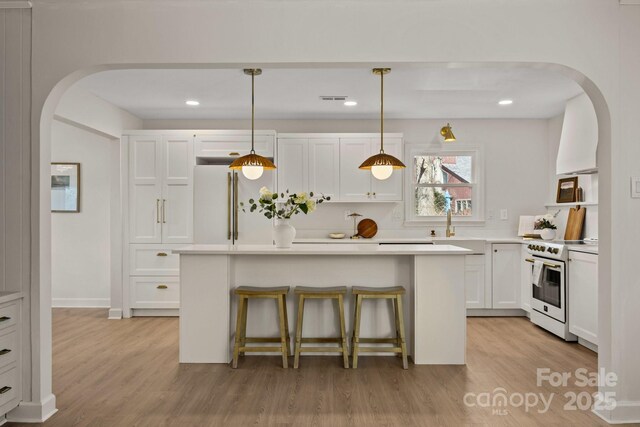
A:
x: 80, y: 302
x: 155, y: 312
x: 115, y: 313
x: 490, y: 312
x: 625, y: 412
x: 588, y: 344
x: 33, y: 412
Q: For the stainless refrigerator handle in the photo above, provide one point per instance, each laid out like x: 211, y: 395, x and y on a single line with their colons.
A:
x: 236, y: 207
x: 228, y: 205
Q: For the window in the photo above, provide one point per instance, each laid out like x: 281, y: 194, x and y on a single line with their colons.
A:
x: 444, y: 180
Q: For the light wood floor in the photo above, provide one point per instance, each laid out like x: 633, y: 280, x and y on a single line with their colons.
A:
x: 126, y: 373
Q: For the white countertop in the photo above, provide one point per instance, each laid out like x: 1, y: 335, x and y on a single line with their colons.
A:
x: 9, y: 296
x: 323, y: 249
x: 409, y: 240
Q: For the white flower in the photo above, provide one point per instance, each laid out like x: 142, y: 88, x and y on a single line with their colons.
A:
x: 311, y: 206
x: 301, y: 198
x: 548, y: 217
x: 265, y: 193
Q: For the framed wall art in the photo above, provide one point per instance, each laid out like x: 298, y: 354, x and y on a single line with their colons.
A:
x: 567, y: 190
x: 65, y: 187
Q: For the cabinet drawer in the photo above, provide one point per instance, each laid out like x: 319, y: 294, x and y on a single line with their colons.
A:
x: 231, y: 146
x: 8, y: 315
x: 153, y: 260
x: 155, y: 292
x: 8, y: 348
x: 8, y: 386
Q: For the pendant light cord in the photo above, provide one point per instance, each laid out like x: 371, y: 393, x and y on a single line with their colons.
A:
x: 253, y: 76
x: 382, y: 112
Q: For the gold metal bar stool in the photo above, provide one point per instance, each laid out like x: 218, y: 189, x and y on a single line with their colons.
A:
x: 394, y: 293
x: 241, y: 340
x: 337, y: 293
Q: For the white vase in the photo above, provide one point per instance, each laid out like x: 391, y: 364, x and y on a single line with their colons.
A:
x: 548, y: 233
x: 283, y: 233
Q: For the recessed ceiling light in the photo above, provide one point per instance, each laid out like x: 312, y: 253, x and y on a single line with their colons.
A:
x: 505, y: 102
x: 192, y: 102
x: 350, y: 103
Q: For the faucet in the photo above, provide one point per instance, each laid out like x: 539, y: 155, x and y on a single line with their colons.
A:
x: 451, y: 231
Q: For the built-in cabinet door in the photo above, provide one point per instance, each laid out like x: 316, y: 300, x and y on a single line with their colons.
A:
x: 526, y: 288
x: 355, y: 183
x: 583, y: 295
x: 145, y: 189
x: 389, y: 189
x: 324, y: 167
x: 506, y: 275
x: 292, y: 165
x: 177, y: 189
x: 474, y: 281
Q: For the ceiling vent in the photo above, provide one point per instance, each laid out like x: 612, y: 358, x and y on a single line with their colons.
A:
x: 333, y: 98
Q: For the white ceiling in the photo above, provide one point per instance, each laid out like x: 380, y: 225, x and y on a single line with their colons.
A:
x: 410, y: 93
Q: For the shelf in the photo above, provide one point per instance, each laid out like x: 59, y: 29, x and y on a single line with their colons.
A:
x: 569, y: 205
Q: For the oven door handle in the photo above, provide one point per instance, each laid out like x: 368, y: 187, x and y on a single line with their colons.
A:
x: 546, y: 264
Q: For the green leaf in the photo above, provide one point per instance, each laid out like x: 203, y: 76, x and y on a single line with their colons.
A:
x: 274, y: 196
x: 251, y: 201
x: 304, y: 208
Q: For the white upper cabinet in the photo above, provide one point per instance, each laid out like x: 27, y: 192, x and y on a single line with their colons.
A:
x: 324, y: 166
x: 231, y: 144
x: 583, y: 292
x: 292, y: 165
x: 161, y: 189
x: 355, y: 184
x: 506, y: 275
x: 145, y: 188
x: 579, y: 139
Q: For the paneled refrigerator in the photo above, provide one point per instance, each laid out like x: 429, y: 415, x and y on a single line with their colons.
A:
x: 218, y: 217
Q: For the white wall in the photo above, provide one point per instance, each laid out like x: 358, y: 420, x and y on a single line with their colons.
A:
x: 80, y: 256
x: 87, y: 247
x: 589, y: 184
x: 515, y: 152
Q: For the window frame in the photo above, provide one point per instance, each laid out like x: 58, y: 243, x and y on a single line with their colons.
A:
x: 476, y: 184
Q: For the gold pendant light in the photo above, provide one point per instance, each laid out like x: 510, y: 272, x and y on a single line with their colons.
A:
x: 252, y: 164
x: 382, y: 164
x: 447, y: 133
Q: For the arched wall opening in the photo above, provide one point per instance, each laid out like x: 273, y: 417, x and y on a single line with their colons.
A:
x: 41, y: 300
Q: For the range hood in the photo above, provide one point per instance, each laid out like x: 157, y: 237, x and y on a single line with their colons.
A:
x: 579, y: 139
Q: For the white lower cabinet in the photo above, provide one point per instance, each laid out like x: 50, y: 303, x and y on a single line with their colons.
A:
x: 583, y: 295
x: 155, y: 292
x: 474, y: 280
x: 10, y: 355
x: 506, y: 279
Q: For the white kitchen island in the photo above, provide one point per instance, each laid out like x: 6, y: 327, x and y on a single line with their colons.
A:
x: 435, y: 314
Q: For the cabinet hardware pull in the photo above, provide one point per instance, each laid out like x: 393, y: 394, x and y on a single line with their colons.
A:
x: 4, y: 351
x: 161, y: 287
x: 164, y: 218
x: 157, y: 211
x: 233, y: 153
x: 4, y: 318
x: 4, y: 389
x: 236, y: 206
x: 161, y: 254
x: 228, y: 205
x: 546, y: 264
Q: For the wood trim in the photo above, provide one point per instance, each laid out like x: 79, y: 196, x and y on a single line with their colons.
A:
x: 16, y: 4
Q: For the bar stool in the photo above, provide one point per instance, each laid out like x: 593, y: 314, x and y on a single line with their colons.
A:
x: 337, y: 293
x: 241, y: 340
x: 394, y: 293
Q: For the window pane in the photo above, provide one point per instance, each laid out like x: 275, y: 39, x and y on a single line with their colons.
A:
x: 432, y: 201
x: 442, y: 169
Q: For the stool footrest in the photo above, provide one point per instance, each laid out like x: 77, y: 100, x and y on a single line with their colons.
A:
x: 320, y: 350
x: 321, y: 340
x: 265, y: 349
x: 379, y: 340
x: 379, y: 349
x: 260, y: 339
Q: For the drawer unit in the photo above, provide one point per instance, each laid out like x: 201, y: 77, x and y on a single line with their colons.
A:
x: 8, y: 386
x: 155, y: 292
x: 8, y: 315
x: 232, y: 146
x: 154, y: 260
x: 8, y: 348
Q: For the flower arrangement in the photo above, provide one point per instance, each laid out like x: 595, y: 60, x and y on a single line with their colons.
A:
x: 544, y: 222
x: 284, y: 205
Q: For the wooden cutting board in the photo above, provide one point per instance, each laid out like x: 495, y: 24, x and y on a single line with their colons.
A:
x: 367, y: 228
x: 575, y: 222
